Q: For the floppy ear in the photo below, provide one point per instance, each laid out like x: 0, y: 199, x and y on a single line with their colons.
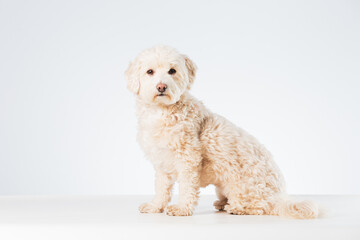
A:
x: 132, y: 78
x: 191, y: 67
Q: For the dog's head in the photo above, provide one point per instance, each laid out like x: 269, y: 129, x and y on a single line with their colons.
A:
x: 160, y: 75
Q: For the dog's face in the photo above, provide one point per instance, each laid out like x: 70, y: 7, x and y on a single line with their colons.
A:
x: 160, y: 75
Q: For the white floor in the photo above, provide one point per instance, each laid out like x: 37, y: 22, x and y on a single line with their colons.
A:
x: 117, y: 217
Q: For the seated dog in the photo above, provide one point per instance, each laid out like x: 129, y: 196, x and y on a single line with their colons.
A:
x: 188, y: 143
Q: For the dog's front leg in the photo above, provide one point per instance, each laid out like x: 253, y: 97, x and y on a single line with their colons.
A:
x: 163, y: 185
x: 189, y: 185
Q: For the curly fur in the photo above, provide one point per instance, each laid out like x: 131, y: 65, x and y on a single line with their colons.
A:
x: 188, y: 143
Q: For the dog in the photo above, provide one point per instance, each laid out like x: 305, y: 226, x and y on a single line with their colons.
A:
x: 189, y: 144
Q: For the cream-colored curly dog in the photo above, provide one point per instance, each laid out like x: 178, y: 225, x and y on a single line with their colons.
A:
x: 188, y: 143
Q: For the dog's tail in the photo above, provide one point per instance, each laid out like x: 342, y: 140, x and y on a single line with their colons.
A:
x: 286, y: 207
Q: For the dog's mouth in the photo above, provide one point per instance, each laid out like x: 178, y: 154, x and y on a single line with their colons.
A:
x: 162, y: 96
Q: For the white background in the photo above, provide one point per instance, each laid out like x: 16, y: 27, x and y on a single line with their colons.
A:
x: 286, y: 71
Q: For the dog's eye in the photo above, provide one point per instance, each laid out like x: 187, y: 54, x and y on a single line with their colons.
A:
x: 172, y: 71
x: 150, y: 72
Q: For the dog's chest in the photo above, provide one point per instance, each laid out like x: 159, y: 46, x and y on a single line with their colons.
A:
x: 158, y: 131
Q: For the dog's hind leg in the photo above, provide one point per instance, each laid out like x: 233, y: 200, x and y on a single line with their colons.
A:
x: 244, y: 201
x: 235, y: 200
x: 257, y: 207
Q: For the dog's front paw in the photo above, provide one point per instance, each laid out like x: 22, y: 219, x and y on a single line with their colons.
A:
x: 150, y: 208
x: 176, y: 210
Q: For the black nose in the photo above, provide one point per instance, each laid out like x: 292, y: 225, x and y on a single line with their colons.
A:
x: 161, y: 87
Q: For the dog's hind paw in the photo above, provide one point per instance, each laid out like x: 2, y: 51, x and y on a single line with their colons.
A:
x: 220, y: 204
x: 150, y: 208
x: 237, y: 210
